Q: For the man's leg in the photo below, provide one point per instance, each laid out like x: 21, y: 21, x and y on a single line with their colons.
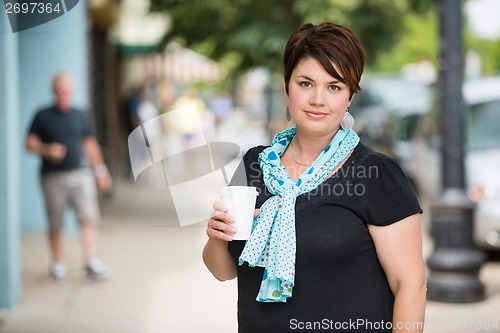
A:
x: 58, y: 269
x: 55, y: 243
x: 86, y: 205
x: 89, y: 236
x: 94, y: 268
x: 87, y: 211
x: 55, y: 194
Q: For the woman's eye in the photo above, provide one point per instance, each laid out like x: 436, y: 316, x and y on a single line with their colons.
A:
x: 334, y: 87
x: 305, y: 84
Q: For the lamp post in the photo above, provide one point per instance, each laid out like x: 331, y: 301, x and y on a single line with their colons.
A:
x: 455, y: 262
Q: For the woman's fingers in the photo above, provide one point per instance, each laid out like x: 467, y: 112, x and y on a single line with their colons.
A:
x: 220, y: 230
x: 218, y: 235
x: 222, y: 216
x: 220, y: 224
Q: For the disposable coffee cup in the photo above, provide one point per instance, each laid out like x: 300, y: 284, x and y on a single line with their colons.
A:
x: 241, y: 202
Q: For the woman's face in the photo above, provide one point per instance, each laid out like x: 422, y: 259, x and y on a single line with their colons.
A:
x: 317, y: 100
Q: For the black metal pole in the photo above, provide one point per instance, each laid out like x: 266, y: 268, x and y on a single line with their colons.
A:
x: 455, y: 262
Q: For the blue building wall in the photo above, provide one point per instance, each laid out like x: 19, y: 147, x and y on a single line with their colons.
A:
x: 10, y: 275
x: 28, y: 60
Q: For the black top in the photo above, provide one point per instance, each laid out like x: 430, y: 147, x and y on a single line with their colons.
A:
x: 69, y: 128
x: 339, y: 281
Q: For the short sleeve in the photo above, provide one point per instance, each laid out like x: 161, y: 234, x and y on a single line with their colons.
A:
x: 36, y: 126
x: 88, y: 128
x: 389, y: 195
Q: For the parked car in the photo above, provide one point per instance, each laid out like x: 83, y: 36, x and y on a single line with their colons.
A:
x: 406, y: 128
x: 482, y: 158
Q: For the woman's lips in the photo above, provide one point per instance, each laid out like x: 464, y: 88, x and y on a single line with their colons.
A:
x: 315, y: 115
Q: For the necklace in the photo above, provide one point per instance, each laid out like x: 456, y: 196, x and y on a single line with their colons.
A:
x: 293, y: 156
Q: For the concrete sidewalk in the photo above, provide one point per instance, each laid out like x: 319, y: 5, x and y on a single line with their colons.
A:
x: 160, y: 283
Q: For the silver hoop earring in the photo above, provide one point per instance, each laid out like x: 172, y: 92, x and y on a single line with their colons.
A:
x: 288, y: 116
x: 347, y: 122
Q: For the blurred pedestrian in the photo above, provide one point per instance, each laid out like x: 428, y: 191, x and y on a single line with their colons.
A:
x: 130, y: 115
x: 221, y: 106
x: 187, y: 123
x: 130, y: 112
x: 61, y: 135
x: 152, y: 131
x: 147, y: 111
x: 336, y: 243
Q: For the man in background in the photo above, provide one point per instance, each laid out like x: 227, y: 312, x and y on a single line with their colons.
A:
x: 62, y: 136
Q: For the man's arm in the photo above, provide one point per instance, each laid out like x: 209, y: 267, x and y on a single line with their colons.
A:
x: 94, y: 155
x: 54, y: 152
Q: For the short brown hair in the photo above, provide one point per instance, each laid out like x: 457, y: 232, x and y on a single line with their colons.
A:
x: 327, y: 43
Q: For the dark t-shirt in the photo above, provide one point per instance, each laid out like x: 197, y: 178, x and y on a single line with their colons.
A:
x: 65, y: 127
x: 339, y: 282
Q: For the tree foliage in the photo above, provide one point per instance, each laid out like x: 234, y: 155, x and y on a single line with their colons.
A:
x: 419, y: 40
x: 488, y: 50
x: 249, y: 33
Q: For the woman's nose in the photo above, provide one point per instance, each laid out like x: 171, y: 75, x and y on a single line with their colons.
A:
x: 317, y: 97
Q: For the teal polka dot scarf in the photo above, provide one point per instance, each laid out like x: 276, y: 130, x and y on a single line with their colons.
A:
x: 272, y: 242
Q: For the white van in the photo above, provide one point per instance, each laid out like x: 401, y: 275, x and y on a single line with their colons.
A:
x: 482, y: 159
x: 395, y: 116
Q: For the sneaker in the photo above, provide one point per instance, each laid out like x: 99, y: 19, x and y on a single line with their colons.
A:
x: 95, y: 270
x: 58, y: 271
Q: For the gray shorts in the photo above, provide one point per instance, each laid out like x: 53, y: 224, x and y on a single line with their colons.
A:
x: 75, y: 188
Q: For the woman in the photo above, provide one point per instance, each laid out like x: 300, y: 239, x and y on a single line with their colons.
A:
x: 336, y: 243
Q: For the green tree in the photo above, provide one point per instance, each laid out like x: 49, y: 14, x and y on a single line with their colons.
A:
x: 419, y: 39
x: 247, y: 33
x: 488, y: 50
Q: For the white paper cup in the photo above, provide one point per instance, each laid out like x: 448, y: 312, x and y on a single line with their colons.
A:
x: 241, y: 202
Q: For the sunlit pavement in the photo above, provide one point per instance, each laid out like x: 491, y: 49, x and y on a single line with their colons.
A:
x: 160, y: 283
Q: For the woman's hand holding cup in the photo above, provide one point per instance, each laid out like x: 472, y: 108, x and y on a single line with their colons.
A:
x: 220, y: 227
